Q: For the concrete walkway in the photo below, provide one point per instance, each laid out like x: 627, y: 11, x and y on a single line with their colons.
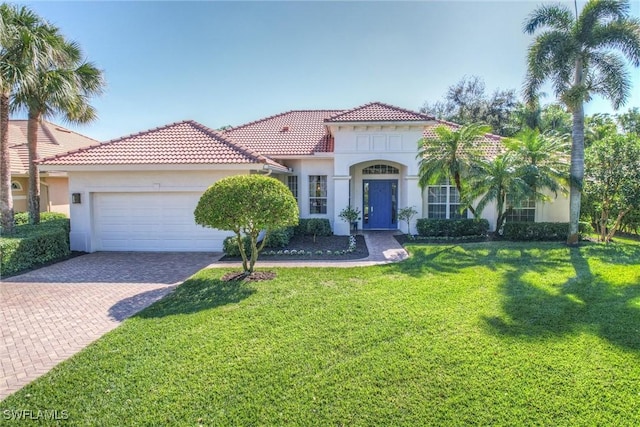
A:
x: 49, y: 314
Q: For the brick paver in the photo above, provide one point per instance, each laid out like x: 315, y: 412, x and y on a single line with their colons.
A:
x: 49, y: 314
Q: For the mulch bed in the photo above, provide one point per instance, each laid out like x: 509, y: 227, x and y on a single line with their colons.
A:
x: 256, y: 276
x: 322, y: 243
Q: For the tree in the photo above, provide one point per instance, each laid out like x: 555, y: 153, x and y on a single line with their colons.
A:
x: 494, y: 180
x: 578, y: 55
x: 63, y: 85
x: 612, y: 182
x: 630, y: 121
x: 247, y: 205
x: 540, y: 159
x: 449, y: 155
x: 24, y: 43
x: 466, y: 102
x: 405, y: 214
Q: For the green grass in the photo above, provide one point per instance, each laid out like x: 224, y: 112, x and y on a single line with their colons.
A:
x: 485, y: 334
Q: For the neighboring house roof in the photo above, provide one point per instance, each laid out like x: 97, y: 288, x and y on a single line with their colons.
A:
x: 378, y: 112
x: 293, y: 133
x: 186, y: 142
x: 52, y: 140
x: 490, y: 145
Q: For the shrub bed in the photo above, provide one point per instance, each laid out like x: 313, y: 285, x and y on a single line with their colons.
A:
x: 536, y: 231
x: 279, y: 238
x: 33, y: 245
x: 457, y: 228
x: 22, y: 218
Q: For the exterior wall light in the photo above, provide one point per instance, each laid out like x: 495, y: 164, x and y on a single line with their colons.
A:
x: 76, y: 198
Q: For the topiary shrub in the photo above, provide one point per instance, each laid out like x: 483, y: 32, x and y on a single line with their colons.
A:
x: 452, y: 227
x: 279, y: 238
x: 318, y: 227
x: 527, y: 231
x: 247, y: 205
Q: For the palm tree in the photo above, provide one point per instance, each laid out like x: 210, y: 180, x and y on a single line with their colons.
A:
x: 24, y: 39
x: 493, y: 180
x: 450, y: 155
x: 576, y: 53
x: 63, y: 86
x: 541, y: 159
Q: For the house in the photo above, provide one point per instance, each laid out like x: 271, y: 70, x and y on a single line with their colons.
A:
x: 139, y: 192
x: 54, y: 186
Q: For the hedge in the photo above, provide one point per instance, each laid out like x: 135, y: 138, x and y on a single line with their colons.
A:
x: 452, y: 227
x: 279, y: 238
x: 321, y: 225
x: 536, y: 230
x: 230, y: 246
x: 22, y: 218
x: 34, y: 245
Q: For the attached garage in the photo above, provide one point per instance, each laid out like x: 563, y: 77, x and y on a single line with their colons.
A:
x: 148, y: 221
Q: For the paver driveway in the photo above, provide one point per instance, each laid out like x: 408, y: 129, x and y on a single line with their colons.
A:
x: 49, y: 314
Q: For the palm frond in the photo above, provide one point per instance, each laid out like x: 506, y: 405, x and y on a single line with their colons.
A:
x: 551, y: 16
x: 609, y: 77
x: 599, y: 11
x: 622, y: 35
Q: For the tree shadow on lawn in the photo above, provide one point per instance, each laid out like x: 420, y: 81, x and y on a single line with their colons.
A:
x: 199, y: 294
x: 586, y: 300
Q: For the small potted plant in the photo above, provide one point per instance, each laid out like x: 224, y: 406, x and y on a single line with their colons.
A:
x: 405, y: 214
x: 351, y: 216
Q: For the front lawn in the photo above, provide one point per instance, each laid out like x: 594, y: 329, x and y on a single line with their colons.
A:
x: 480, y: 333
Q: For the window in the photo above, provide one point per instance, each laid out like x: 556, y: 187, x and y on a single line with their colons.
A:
x: 525, y: 211
x: 317, y: 194
x: 380, y: 170
x: 292, y: 183
x: 16, y: 186
x: 444, y: 202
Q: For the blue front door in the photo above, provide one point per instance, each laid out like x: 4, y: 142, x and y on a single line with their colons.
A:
x: 380, y: 204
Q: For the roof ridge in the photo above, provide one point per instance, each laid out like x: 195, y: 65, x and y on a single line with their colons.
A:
x: 112, y: 141
x: 277, y: 115
x: 393, y: 107
x: 47, y: 122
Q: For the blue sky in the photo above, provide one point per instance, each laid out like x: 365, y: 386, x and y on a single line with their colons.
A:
x: 228, y: 63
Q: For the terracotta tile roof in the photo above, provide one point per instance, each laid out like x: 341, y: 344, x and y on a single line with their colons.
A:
x: 52, y: 140
x: 293, y: 133
x: 379, y: 112
x: 490, y: 145
x: 186, y: 142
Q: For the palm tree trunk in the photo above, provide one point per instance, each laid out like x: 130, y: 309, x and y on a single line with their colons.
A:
x: 6, y: 199
x: 34, y: 173
x: 576, y: 171
x: 458, y: 183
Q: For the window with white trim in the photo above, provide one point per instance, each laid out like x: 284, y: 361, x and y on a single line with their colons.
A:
x: 317, y: 194
x: 525, y: 211
x: 380, y: 170
x: 443, y: 202
x: 292, y: 183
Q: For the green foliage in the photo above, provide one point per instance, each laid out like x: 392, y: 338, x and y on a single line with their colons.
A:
x: 536, y: 231
x: 33, y: 245
x: 612, y: 184
x: 230, y: 245
x: 350, y: 214
x: 21, y: 218
x: 279, y: 238
x: 405, y: 214
x: 323, y: 230
x: 452, y: 227
x: 318, y: 227
x: 247, y: 205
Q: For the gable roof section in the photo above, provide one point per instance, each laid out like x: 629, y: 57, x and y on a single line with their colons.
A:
x: 52, y: 140
x: 294, y: 133
x: 378, y: 112
x: 186, y: 142
x: 490, y: 145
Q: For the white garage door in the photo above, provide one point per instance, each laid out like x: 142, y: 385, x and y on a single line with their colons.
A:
x: 151, y: 222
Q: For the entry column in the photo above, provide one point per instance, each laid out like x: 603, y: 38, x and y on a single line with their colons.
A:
x: 340, y: 201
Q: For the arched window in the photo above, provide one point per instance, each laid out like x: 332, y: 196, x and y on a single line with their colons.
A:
x: 380, y: 170
x: 16, y: 186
